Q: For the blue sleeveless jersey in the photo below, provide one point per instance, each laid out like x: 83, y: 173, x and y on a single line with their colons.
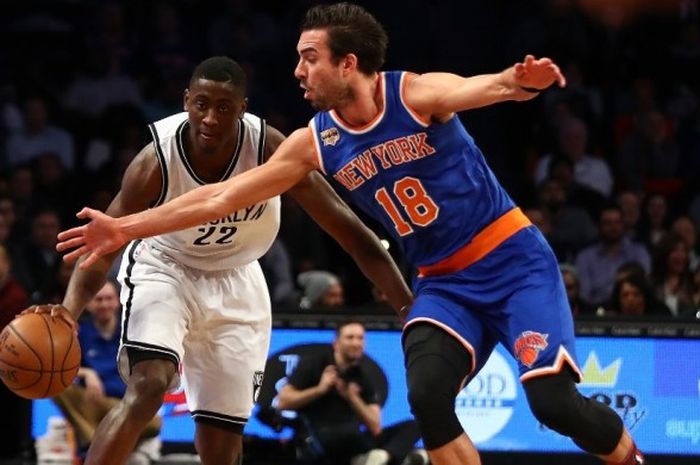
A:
x: 428, y: 184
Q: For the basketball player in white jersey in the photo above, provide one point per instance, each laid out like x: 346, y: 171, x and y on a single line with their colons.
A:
x: 197, y: 297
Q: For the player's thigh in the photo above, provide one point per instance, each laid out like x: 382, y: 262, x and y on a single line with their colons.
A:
x: 535, y: 323
x: 225, y: 356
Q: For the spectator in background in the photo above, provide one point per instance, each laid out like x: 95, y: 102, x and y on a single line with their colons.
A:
x: 54, y: 186
x: 654, y: 223
x: 39, y: 137
x: 13, y: 298
x: 571, y: 227
x: 671, y: 275
x: 579, y: 306
x: 320, y: 290
x: 633, y: 296
x: 598, y: 263
x: 579, y: 195
x: 55, y: 288
x: 628, y: 269
x: 630, y: 205
x: 695, y: 297
x: 589, y: 171
x: 649, y: 157
x: 22, y: 193
x: 334, y: 392
x: 15, y: 420
x: 98, y: 386
x: 685, y: 228
x: 8, y: 232
x: 37, y: 260
x: 101, y: 85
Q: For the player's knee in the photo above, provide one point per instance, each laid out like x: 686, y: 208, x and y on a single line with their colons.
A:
x: 427, y: 399
x: 556, y: 414
x: 436, y: 365
x: 555, y: 402
x: 148, y: 383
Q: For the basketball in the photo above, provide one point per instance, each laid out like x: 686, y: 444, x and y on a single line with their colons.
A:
x: 39, y: 355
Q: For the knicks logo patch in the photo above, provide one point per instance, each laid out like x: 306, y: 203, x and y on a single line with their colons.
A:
x: 330, y: 136
x: 528, y: 346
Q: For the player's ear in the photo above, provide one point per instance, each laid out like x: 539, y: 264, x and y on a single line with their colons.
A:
x: 244, y: 107
x: 349, y: 63
x: 185, y: 98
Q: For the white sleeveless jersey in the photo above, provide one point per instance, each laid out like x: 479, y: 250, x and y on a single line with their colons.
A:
x: 241, y: 236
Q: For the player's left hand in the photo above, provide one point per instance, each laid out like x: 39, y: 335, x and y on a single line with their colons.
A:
x: 537, y: 74
x: 99, y: 237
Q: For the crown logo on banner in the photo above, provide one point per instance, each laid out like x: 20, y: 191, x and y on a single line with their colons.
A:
x: 596, y: 376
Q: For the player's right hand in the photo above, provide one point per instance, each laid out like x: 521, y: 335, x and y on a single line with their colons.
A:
x: 55, y: 311
x: 99, y: 237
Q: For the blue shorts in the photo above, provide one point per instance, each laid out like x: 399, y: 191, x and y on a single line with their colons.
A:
x: 515, y: 296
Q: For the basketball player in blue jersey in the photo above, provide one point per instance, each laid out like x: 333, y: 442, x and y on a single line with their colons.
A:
x: 197, y: 299
x: 392, y: 143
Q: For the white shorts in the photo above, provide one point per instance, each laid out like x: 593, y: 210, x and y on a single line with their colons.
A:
x: 214, y: 324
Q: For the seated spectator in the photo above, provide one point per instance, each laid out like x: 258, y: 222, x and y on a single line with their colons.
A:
x: 570, y: 226
x: 379, y: 305
x: 333, y: 392
x: 99, y: 386
x: 13, y: 297
x: 670, y: 274
x: 37, y: 260
x: 579, y: 195
x: 321, y: 290
x: 570, y: 277
x: 39, y: 137
x: 589, y: 171
x: 628, y: 269
x: 598, y: 263
x: 649, y: 158
x: 654, y: 223
x: 633, y: 296
x: 685, y: 227
x: 630, y: 204
x: 694, y: 313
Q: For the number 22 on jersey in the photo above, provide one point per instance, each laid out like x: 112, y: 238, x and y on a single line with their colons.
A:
x: 417, y: 205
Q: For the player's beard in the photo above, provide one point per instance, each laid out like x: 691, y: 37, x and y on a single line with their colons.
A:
x: 333, y: 99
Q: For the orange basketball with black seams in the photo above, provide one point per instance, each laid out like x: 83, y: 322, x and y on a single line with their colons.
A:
x: 39, y: 356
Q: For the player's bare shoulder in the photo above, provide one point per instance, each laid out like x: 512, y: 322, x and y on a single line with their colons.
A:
x: 274, y: 138
x: 142, y: 183
x: 299, y: 145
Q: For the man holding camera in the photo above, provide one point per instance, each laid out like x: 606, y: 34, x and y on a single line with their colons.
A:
x: 333, y: 393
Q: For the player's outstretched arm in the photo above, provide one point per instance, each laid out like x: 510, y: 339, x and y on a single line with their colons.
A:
x: 436, y: 96
x: 104, y: 234
x: 325, y: 207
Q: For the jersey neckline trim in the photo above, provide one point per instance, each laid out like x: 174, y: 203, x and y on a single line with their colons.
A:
x: 185, y: 158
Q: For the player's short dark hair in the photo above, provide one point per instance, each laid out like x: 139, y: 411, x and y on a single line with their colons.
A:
x: 351, y: 29
x: 221, y: 69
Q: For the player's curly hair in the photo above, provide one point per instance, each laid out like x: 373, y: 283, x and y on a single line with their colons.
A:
x: 351, y: 29
x: 221, y: 69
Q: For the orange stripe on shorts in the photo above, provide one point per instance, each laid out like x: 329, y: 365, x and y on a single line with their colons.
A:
x: 484, y: 242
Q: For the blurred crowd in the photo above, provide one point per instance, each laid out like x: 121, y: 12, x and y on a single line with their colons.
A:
x: 608, y: 167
